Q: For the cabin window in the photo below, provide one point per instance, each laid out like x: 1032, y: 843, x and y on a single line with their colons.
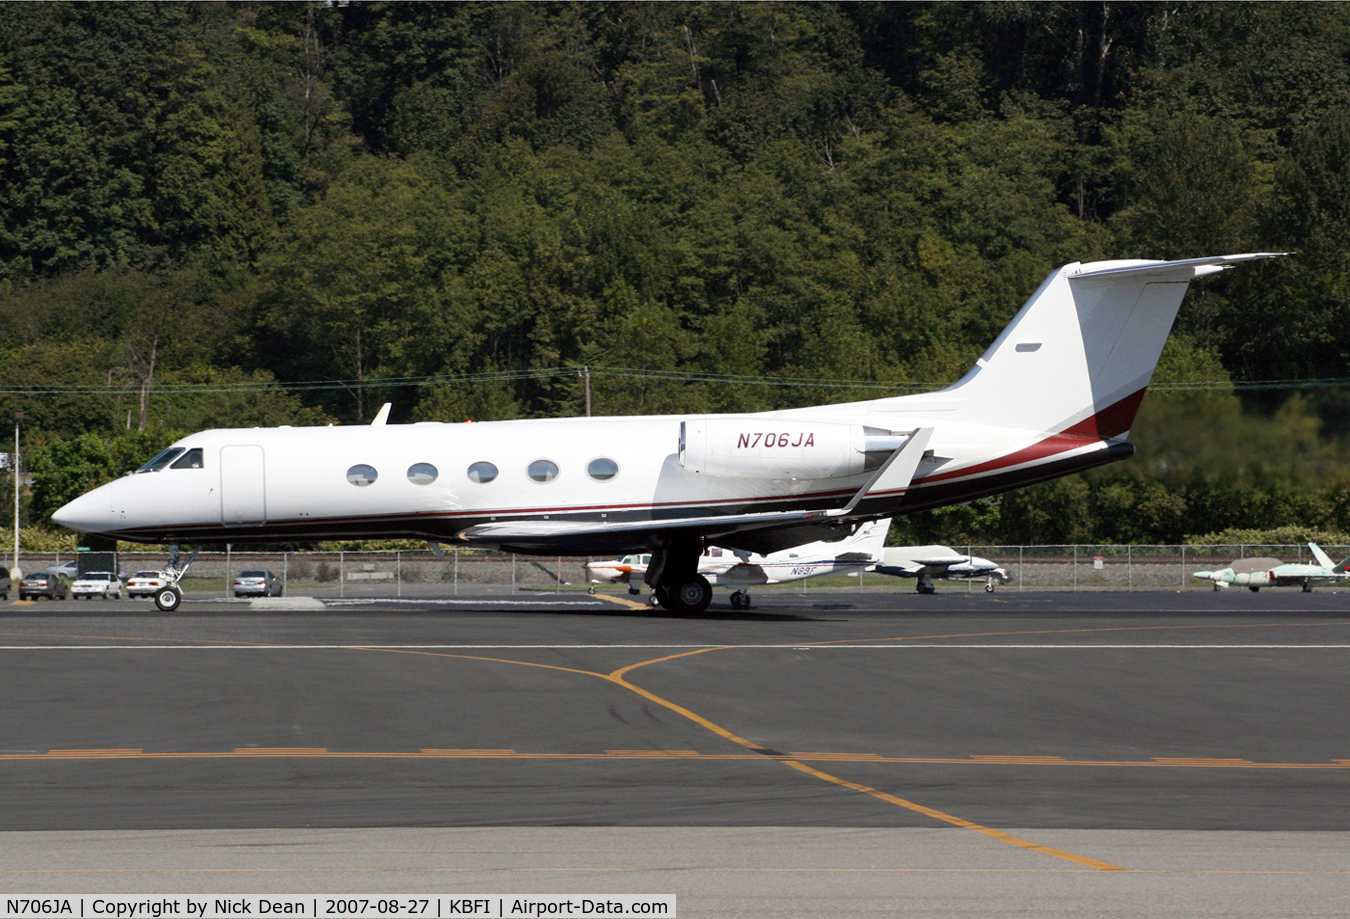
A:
x: 422, y: 473
x: 543, y: 470
x: 164, y: 459
x: 189, y: 460
x: 602, y: 469
x: 482, y: 473
x: 362, y: 475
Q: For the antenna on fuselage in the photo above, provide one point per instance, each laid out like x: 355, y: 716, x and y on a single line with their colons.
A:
x: 382, y: 417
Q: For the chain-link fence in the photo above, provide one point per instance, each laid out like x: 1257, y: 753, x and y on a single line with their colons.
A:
x: 413, y: 573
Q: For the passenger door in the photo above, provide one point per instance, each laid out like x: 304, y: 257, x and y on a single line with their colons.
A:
x: 243, y: 495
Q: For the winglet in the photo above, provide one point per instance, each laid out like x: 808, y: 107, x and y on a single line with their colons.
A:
x: 383, y: 417
x: 896, y: 473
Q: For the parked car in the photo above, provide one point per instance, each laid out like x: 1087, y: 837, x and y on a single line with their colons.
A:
x: 42, y: 584
x: 5, y: 584
x: 67, y: 570
x: 147, y: 583
x: 92, y: 584
x: 258, y: 582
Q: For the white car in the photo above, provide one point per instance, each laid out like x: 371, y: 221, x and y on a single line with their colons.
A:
x: 92, y: 584
x: 146, y: 583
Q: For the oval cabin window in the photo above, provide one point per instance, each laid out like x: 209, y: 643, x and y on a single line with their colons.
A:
x: 543, y: 470
x: 602, y: 469
x: 422, y: 473
x: 362, y: 475
x: 482, y: 473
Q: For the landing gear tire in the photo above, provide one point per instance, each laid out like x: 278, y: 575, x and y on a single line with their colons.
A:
x: 1255, y: 590
x: 691, y: 595
x: 634, y: 590
x: 653, y: 601
x: 1307, y: 588
x: 591, y: 589
x: 927, y: 590
x: 740, y: 600
x: 168, y: 598
x: 988, y: 587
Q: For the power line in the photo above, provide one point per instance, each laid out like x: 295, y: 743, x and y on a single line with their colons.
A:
x: 673, y: 376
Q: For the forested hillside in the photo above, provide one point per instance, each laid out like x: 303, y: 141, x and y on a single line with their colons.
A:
x: 233, y: 214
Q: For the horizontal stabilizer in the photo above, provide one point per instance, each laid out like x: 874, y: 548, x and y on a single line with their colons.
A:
x: 1180, y: 270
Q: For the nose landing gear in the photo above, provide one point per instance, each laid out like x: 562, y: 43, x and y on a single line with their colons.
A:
x: 169, y: 596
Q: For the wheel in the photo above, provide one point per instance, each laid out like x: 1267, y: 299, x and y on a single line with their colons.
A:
x: 591, y: 589
x: 929, y: 589
x: 168, y: 599
x: 1255, y: 590
x: 237, y: 595
x: 635, y: 591
x: 988, y: 587
x: 740, y: 600
x: 689, y: 596
x: 1307, y: 587
x: 653, y: 600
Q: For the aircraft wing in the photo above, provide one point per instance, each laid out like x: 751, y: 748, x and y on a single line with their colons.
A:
x: 732, y: 531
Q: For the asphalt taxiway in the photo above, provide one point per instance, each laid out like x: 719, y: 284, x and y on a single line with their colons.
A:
x: 1069, y: 735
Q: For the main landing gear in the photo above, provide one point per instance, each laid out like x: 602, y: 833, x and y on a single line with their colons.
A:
x: 989, y: 585
x: 926, y: 585
x: 740, y: 600
x: 675, y: 580
x: 170, y: 595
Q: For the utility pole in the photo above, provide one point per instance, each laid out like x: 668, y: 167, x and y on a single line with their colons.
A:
x: 18, y: 417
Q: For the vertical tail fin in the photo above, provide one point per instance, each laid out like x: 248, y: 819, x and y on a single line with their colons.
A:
x: 1080, y: 353
x: 869, y: 538
x: 1322, y: 558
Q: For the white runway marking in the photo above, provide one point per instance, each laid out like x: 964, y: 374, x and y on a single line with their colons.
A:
x: 270, y: 646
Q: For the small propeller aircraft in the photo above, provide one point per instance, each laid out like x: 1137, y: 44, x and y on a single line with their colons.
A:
x: 928, y: 562
x: 1255, y: 573
x: 741, y: 569
x: 1056, y: 393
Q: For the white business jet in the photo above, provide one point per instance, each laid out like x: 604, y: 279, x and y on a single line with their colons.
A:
x: 1054, y: 394
x: 927, y: 562
x: 741, y: 569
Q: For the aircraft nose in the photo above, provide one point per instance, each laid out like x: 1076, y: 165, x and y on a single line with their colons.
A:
x: 89, y: 513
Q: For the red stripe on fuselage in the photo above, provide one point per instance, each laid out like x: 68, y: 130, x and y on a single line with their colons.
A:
x: 1111, y: 421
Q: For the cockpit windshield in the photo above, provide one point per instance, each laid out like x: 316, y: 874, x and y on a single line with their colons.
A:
x: 164, y: 459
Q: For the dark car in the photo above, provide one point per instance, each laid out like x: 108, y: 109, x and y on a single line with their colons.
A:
x: 42, y: 584
x: 5, y: 584
x: 257, y: 582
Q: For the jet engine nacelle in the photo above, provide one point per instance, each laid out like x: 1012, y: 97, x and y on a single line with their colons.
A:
x: 760, y: 448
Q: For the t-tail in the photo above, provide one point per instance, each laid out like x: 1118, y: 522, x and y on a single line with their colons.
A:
x: 1078, y: 357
